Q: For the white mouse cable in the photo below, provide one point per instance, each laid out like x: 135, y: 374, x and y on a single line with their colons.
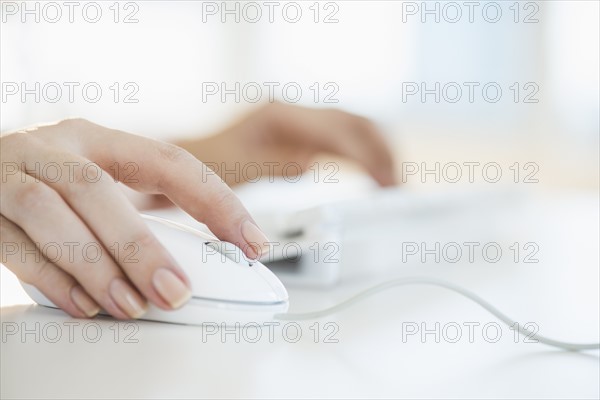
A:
x: 447, y: 285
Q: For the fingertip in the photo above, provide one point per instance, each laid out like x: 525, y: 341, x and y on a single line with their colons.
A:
x: 127, y: 298
x: 257, y: 243
x: 171, y: 288
x: 84, y: 302
x: 385, y: 177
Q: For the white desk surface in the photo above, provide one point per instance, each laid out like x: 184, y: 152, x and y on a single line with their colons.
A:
x: 560, y: 294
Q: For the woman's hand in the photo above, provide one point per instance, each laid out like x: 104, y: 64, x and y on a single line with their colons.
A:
x: 279, y: 134
x: 59, y: 194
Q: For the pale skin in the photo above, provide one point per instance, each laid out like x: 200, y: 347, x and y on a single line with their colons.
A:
x: 85, y: 207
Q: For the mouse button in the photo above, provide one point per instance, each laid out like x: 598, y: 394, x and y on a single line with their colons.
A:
x: 216, y: 277
x: 278, y: 289
x: 228, y: 250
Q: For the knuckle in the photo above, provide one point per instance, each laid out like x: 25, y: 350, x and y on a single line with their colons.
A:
x: 226, y: 198
x: 217, y: 207
x: 35, y: 196
x: 172, y: 153
x: 13, y: 142
x: 142, y: 240
x: 37, y: 274
x: 228, y: 204
x: 73, y: 123
x: 271, y: 110
x: 11, y: 138
x: 87, y: 177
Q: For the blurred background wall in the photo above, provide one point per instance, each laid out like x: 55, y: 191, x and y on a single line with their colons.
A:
x: 375, y: 58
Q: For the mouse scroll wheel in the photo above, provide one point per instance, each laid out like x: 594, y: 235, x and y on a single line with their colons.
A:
x: 230, y: 251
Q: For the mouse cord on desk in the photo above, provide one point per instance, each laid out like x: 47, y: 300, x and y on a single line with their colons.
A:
x: 447, y: 285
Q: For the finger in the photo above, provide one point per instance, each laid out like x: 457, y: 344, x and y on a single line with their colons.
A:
x: 156, y: 167
x: 143, y: 201
x: 52, y: 225
x: 339, y: 133
x: 25, y: 260
x: 373, y: 151
x: 359, y: 139
x: 104, y: 208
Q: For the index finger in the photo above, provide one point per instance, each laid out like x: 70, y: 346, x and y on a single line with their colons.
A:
x: 153, y: 166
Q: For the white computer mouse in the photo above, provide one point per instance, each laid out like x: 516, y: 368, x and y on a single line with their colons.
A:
x: 226, y: 287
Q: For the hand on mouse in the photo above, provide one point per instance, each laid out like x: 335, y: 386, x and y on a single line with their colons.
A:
x: 278, y: 134
x: 67, y: 228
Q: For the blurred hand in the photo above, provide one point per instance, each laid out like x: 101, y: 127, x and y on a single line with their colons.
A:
x: 59, y: 194
x: 279, y: 134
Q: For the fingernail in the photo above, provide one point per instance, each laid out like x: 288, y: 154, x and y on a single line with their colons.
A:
x: 258, y: 243
x: 126, y: 298
x: 84, y: 302
x: 171, y: 288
